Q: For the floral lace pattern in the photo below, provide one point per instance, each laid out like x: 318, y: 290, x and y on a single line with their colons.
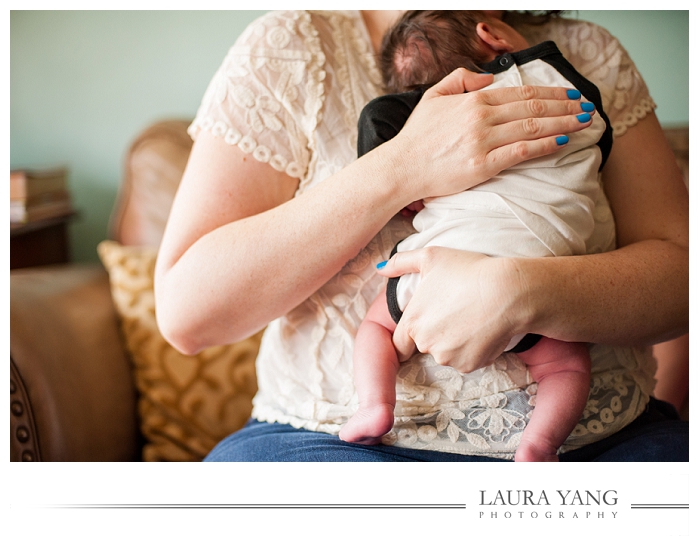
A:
x: 281, y: 109
x: 289, y: 93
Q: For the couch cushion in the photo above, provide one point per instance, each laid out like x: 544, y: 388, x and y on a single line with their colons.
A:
x: 73, y: 397
x: 186, y: 403
x: 153, y: 168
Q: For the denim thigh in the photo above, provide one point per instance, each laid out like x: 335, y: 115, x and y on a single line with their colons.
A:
x: 658, y: 435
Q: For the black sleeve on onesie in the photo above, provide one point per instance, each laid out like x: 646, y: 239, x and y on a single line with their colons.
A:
x: 383, y: 117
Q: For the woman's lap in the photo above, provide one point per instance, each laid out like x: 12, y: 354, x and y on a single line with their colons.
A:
x: 272, y: 442
x: 657, y: 435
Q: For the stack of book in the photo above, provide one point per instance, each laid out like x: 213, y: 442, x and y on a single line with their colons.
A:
x: 39, y: 195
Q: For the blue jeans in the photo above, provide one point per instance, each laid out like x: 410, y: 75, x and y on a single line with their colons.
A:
x: 658, y: 435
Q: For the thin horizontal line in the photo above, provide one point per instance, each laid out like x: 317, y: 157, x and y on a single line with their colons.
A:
x: 659, y: 506
x: 257, y: 506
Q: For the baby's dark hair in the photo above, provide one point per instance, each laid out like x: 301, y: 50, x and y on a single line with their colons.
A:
x: 426, y: 45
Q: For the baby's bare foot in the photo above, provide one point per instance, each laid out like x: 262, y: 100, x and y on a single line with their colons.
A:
x: 368, y: 424
x: 530, y: 452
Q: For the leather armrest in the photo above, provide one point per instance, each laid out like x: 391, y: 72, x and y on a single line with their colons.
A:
x: 73, y: 397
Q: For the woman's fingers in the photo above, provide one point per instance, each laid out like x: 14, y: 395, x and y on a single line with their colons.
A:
x: 402, y: 263
x: 523, y: 140
x: 516, y: 132
x: 521, y: 129
x: 520, y: 151
x: 507, y: 95
x: 513, y: 116
x: 537, y: 109
x: 465, y: 309
x: 440, y: 331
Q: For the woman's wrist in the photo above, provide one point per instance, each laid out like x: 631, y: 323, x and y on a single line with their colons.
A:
x: 614, y: 298
x: 544, y: 293
x: 390, y: 166
x: 519, y: 285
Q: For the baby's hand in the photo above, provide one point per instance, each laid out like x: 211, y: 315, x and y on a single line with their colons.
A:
x: 412, y: 209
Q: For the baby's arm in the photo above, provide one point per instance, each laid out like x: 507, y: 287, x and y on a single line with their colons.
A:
x: 375, y: 368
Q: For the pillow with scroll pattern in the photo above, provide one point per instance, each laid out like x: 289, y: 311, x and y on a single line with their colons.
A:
x: 186, y: 404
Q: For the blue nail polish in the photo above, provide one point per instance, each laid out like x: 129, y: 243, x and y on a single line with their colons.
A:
x: 583, y: 118
x: 381, y: 265
x: 573, y: 94
x: 560, y: 141
x: 587, y: 107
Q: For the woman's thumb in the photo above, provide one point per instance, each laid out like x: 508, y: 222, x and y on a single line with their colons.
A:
x: 459, y: 81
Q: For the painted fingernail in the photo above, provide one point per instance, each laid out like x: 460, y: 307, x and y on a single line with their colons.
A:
x: 573, y: 94
x: 583, y: 118
x: 381, y: 265
x: 560, y: 141
x: 587, y: 107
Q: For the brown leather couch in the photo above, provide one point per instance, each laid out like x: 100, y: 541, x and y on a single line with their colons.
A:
x: 72, y: 390
x: 74, y: 396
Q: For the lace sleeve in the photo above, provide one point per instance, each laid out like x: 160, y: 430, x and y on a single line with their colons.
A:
x: 264, y: 97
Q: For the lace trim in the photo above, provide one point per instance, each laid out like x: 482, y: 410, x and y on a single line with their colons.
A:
x: 247, y: 145
x: 637, y: 113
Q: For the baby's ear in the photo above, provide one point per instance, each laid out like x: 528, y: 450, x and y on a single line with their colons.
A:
x: 493, y: 39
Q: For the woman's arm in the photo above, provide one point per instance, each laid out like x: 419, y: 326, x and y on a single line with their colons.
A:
x: 239, y: 252
x: 635, y: 295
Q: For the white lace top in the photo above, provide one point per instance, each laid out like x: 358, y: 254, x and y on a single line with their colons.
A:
x: 290, y: 92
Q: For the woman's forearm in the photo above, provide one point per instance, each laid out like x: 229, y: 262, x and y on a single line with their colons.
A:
x: 233, y: 280
x: 636, y: 295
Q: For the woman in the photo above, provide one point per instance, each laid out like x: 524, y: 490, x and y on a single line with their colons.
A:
x: 276, y: 222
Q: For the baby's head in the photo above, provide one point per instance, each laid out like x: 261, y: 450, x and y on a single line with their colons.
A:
x: 426, y: 45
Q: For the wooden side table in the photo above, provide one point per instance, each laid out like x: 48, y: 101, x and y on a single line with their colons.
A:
x: 40, y: 243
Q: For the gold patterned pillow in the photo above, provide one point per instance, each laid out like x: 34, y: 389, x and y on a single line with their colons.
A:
x: 186, y: 403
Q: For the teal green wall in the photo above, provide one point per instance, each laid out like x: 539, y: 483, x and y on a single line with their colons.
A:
x: 84, y: 83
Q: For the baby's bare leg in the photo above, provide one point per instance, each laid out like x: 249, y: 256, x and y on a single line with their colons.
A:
x: 562, y: 370
x: 375, y: 368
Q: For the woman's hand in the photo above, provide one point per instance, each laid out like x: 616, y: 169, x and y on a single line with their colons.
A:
x: 463, y: 313
x: 462, y: 140
x: 467, y: 306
